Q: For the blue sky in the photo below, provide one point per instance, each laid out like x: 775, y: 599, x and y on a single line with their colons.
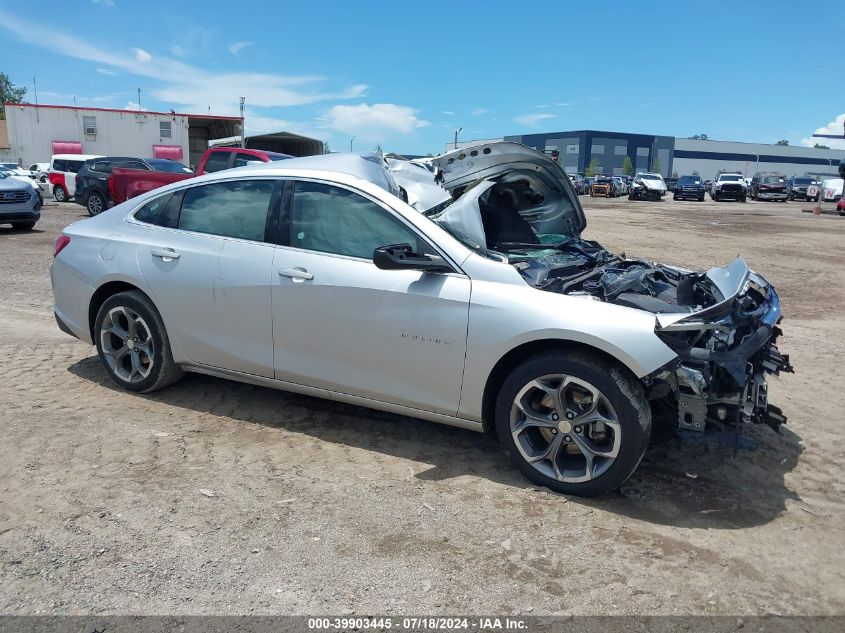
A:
x: 406, y: 75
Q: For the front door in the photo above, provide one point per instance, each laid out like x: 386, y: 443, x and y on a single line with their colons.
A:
x: 342, y: 324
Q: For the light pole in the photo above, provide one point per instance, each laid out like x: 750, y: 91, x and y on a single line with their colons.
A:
x: 352, y: 140
x: 458, y: 131
x: 243, y: 127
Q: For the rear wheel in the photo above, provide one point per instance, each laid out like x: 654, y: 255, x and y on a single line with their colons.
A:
x: 133, y: 345
x: 59, y: 194
x: 96, y: 203
x: 701, y: 198
x: 573, y: 422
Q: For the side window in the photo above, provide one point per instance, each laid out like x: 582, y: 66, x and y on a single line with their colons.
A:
x: 74, y: 166
x: 134, y: 164
x: 233, y: 209
x: 59, y: 165
x: 334, y: 220
x: 101, y: 166
x: 241, y: 160
x: 161, y: 211
x: 217, y: 161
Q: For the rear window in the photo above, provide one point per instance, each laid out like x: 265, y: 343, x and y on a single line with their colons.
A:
x: 731, y: 178
x: 217, y: 161
x: 274, y: 156
x: 170, y: 166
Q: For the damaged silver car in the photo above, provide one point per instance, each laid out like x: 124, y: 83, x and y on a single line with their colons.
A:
x: 456, y: 289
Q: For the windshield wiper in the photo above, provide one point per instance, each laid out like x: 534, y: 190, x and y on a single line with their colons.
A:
x: 519, y: 246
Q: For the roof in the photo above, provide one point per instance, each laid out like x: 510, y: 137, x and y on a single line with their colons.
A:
x: 64, y: 107
x: 370, y: 168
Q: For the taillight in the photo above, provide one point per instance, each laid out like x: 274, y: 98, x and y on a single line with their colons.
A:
x: 59, y: 243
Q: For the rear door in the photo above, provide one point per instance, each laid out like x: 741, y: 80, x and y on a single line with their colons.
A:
x: 208, y: 262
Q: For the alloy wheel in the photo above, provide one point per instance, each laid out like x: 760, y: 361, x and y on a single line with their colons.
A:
x: 95, y: 205
x: 127, y: 344
x: 565, y: 428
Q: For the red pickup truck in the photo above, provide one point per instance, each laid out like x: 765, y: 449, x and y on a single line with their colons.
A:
x: 127, y: 183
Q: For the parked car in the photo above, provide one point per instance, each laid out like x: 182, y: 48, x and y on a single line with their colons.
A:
x: 20, y: 201
x: 832, y: 189
x: 323, y: 290
x: 840, y: 206
x: 13, y: 169
x: 689, y: 187
x: 647, y: 186
x: 797, y: 186
x: 40, y: 171
x: 768, y: 185
x: 728, y: 185
x: 62, y: 174
x: 127, y: 183
x: 670, y: 181
x: 621, y: 185
x: 92, y: 180
x: 603, y: 187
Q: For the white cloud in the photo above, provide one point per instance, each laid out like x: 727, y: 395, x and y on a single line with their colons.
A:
x: 563, y: 104
x: 142, y: 56
x: 178, y: 51
x: 479, y: 111
x: 531, y: 120
x: 134, y: 105
x: 540, y: 107
x: 448, y: 112
x: 185, y: 87
x: 106, y: 71
x: 237, y: 47
x: 375, y: 121
x: 834, y: 127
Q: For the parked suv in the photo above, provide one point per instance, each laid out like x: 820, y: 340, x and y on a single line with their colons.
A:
x: 689, y: 187
x: 768, y: 185
x: 797, y: 186
x: 728, y: 185
x: 92, y: 180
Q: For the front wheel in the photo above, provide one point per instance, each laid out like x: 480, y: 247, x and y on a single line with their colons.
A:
x: 24, y: 226
x: 573, y: 422
x: 59, y: 194
x: 132, y: 343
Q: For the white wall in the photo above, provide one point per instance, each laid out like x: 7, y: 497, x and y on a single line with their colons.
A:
x: 119, y: 133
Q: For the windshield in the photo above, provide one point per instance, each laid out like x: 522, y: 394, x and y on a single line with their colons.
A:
x: 689, y: 180
x: 768, y: 180
x: 3, y: 175
x: 730, y: 178
x: 648, y: 177
x: 273, y: 156
x: 803, y: 181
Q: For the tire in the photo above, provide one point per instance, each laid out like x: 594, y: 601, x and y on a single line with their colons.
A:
x: 631, y: 196
x: 23, y: 226
x: 701, y: 198
x: 715, y: 197
x: 620, y: 401
x: 96, y: 203
x: 131, y: 316
x: 674, y: 197
x: 60, y: 194
x: 742, y: 199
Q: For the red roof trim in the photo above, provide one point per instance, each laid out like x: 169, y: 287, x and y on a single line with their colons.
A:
x: 63, y: 107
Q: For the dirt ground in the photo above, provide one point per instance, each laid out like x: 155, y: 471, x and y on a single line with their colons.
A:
x: 324, y: 508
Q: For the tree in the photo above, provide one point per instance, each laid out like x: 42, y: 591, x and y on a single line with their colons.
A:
x: 377, y: 149
x: 783, y: 141
x: 9, y: 93
x: 326, y: 148
x: 819, y: 146
x: 700, y: 137
x: 627, y: 166
x: 593, y: 168
x: 655, y: 165
x: 674, y: 174
x: 695, y: 173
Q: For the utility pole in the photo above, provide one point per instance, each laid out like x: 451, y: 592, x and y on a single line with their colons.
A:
x: 458, y: 131
x: 139, y: 98
x: 243, y: 127
x: 350, y: 143
x: 35, y: 89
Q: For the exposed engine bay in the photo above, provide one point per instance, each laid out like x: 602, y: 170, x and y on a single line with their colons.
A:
x: 721, y: 323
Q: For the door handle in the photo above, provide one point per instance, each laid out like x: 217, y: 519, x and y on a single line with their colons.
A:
x: 165, y: 253
x: 297, y: 274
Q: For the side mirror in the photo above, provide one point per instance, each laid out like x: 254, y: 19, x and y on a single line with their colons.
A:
x: 403, y: 257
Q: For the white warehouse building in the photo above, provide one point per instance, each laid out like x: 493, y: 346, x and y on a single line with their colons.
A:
x: 36, y: 132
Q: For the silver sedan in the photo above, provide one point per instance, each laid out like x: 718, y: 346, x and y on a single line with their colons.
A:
x: 457, y: 290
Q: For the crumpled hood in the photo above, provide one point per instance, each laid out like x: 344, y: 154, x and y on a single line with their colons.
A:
x: 464, y: 166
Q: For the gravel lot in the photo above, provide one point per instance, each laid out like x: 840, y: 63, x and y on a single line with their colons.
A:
x: 323, y: 508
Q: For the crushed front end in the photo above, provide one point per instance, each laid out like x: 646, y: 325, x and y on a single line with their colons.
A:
x: 725, y: 352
